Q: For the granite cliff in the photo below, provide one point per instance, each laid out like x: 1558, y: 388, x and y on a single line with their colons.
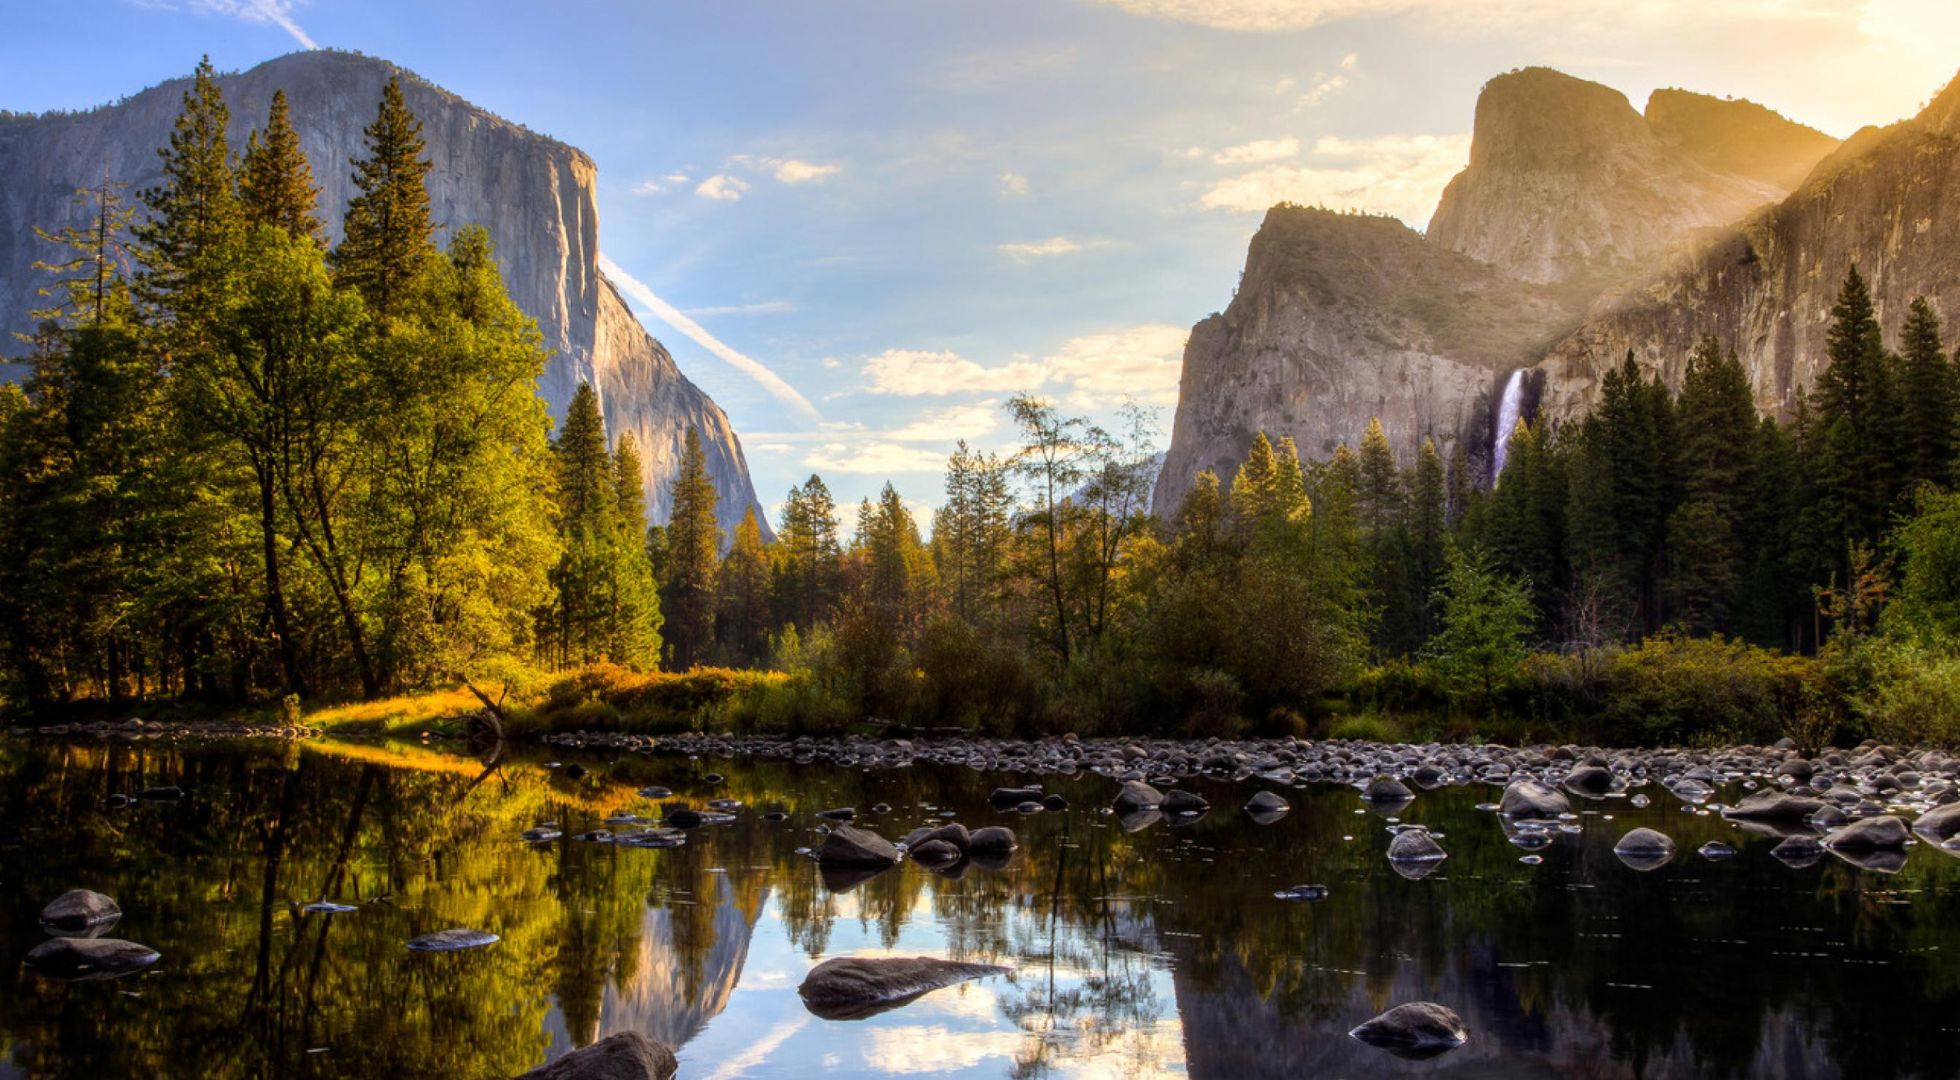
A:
x: 535, y: 195
x: 1570, y: 195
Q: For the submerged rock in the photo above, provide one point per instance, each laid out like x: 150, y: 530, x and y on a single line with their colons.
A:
x: 452, y: 940
x: 1420, y: 1029
x: 856, y: 848
x: 1940, y: 822
x: 1798, y: 851
x: 541, y: 835
x: 1266, y: 807
x: 628, y: 1055
x: 80, y: 911
x: 992, y: 840
x: 1179, y: 801
x: 1774, y: 806
x: 1385, y: 788
x: 74, y: 959
x: 1135, y: 796
x: 1415, y: 846
x: 934, y: 853
x: 328, y: 907
x: 1302, y: 892
x: 855, y: 987
x: 1882, y: 833
x: 1715, y: 849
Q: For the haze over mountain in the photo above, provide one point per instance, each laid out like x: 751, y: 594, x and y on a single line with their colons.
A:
x: 1581, y: 229
x: 536, y: 196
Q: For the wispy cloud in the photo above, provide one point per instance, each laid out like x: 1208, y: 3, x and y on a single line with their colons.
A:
x: 1326, y: 86
x: 952, y: 422
x: 673, y: 316
x: 659, y: 184
x: 1013, y: 185
x: 1402, y: 175
x: 1482, y: 17
x: 1047, y: 249
x: 1088, y: 371
x: 874, y: 458
x: 764, y: 307
x: 278, y: 13
x: 722, y: 187
x: 786, y: 170
x: 1258, y: 152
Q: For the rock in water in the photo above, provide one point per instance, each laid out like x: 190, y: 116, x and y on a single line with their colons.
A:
x: 1940, y: 822
x: 1645, y: 849
x: 1531, y: 799
x: 1386, y: 788
x: 1179, y: 801
x: 994, y: 839
x: 1302, y: 892
x: 935, y: 853
x: 1415, y: 846
x: 1716, y: 850
x: 1420, y: 1029
x: 847, y: 846
x: 1135, y: 796
x: 628, y: 1055
x: 1265, y: 807
x: 72, y: 959
x: 452, y: 940
x: 80, y: 911
x: 1774, y: 806
x: 1798, y: 851
x: 1882, y: 833
x: 854, y: 987
x: 1590, y: 779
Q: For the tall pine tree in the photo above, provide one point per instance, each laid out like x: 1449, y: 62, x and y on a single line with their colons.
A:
x: 387, y: 231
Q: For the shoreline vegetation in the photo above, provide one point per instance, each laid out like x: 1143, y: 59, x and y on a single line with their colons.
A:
x: 260, y: 476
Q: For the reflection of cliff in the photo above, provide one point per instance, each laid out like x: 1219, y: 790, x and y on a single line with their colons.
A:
x: 690, y: 958
x: 1233, y: 1031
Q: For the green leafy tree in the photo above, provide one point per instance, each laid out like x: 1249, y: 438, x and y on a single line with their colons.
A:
x: 1487, y: 617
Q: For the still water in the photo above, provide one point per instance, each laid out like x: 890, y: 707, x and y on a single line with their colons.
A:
x: 1156, y: 953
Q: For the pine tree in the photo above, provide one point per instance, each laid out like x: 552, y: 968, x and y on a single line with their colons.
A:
x: 693, y: 554
x: 633, y: 635
x: 387, y: 231
x: 1380, y: 493
x: 1929, y: 399
x: 188, y: 243
x: 586, y: 488
x: 1427, y: 529
x: 1255, y: 489
x: 584, y: 579
x: 275, y: 182
x: 1707, y: 547
x: 1858, y: 415
x: 807, y: 556
x: 743, y: 621
x: 92, y: 286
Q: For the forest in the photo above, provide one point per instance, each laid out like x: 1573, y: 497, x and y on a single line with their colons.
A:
x: 251, y: 470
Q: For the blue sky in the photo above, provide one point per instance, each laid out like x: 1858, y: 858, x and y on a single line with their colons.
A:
x: 906, y: 211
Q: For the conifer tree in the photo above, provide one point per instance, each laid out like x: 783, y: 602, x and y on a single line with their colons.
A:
x: 807, y: 550
x: 693, y: 555
x: 387, y: 231
x: 743, y: 621
x: 1380, y: 493
x: 92, y: 284
x: 187, y: 243
x: 275, y: 181
x: 1858, y: 416
x: 1929, y: 399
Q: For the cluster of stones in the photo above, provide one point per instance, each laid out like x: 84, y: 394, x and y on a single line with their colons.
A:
x: 136, y: 729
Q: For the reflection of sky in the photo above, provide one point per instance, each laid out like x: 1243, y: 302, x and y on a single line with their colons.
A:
x: 959, y: 1031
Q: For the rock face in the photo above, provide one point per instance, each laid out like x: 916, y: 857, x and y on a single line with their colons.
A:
x: 628, y: 1055
x: 1569, y: 191
x: 1567, y: 182
x: 1764, y: 286
x: 535, y: 195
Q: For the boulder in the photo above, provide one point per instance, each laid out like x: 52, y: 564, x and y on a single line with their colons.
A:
x: 1798, y: 850
x: 993, y: 839
x: 1136, y: 796
x: 1015, y: 796
x: 1590, y: 779
x: 1882, y: 833
x: 1940, y: 822
x: 1179, y: 801
x: 1774, y: 806
x: 1419, y: 1029
x: 1415, y: 845
x: 936, y: 853
x: 628, y: 1055
x: 73, y: 959
x: 1385, y: 788
x: 1531, y: 799
x: 79, y: 911
x: 855, y: 987
x: 1266, y: 806
x: 452, y: 940
x: 1645, y: 849
x: 852, y: 847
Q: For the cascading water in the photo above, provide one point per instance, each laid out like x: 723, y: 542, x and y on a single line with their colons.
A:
x: 1508, y: 409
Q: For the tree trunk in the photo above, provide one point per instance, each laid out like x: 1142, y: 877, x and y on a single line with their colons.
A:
x: 275, y: 595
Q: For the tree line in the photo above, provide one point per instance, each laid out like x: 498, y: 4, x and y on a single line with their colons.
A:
x: 248, y: 464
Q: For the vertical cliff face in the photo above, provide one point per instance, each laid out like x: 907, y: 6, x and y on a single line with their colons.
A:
x: 1883, y: 202
x: 1567, y: 182
x: 534, y: 194
x: 1343, y: 317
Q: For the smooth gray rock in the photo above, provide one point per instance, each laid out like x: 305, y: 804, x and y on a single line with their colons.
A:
x: 1882, y: 833
x: 1531, y: 799
x: 993, y: 839
x: 847, y: 846
x: 1940, y: 822
x: 80, y: 911
x: 1179, y: 801
x: 854, y: 987
x: 1645, y: 849
x: 1266, y: 806
x: 627, y: 1055
x: 1385, y: 788
x: 1774, y: 806
x: 1415, y: 845
x: 452, y: 940
x: 1137, y: 795
x: 935, y: 853
x: 1419, y: 1029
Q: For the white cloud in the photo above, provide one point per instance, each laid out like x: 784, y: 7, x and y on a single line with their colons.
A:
x: 1087, y: 371
x: 952, y: 422
x: 672, y: 316
x: 722, y: 187
x: 792, y: 171
x: 659, y: 184
x: 874, y: 458
x: 1044, y: 249
x: 277, y: 12
x: 1402, y: 175
x: 1326, y: 86
x: 1013, y: 185
x: 763, y: 307
x: 1258, y: 152
x: 1485, y: 16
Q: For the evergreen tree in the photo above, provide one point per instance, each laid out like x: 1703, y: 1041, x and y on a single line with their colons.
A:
x: 387, y: 231
x: 92, y: 284
x: 584, y: 577
x: 1380, y: 491
x: 693, y: 553
x: 970, y: 533
x: 275, y: 182
x: 807, y: 553
x: 1707, y: 548
x: 743, y: 621
x: 634, y: 627
x: 1486, y: 618
x: 1929, y: 399
x: 1858, y: 414
x: 187, y: 245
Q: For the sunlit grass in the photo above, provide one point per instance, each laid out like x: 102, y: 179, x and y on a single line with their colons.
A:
x: 406, y: 714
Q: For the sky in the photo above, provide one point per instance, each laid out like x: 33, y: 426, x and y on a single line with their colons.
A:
x: 861, y: 225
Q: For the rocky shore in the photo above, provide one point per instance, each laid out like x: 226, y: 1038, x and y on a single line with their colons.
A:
x: 137, y: 729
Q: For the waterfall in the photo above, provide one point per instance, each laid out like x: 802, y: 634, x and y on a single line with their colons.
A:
x: 1507, y: 421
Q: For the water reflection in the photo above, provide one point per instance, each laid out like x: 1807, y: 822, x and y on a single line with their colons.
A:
x: 1137, y: 948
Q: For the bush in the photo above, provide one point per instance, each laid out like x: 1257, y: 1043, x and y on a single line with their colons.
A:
x: 1368, y: 727
x: 1673, y: 690
x: 1915, y: 695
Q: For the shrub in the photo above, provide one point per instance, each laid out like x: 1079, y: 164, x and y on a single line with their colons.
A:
x: 1671, y: 690
x: 1370, y: 727
x: 1916, y: 695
